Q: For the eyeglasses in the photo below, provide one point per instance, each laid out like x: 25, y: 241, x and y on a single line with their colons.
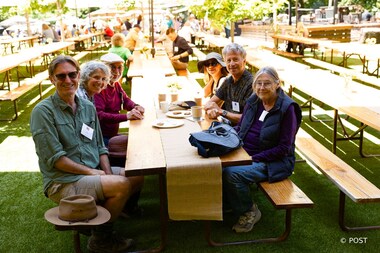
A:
x: 263, y: 84
x: 71, y: 75
x: 208, y: 64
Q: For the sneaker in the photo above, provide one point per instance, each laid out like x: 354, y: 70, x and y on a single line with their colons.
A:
x: 109, y: 243
x: 247, y: 220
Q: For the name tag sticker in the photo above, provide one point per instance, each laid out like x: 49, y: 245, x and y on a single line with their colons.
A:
x: 87, y: 131
x: 175, y: 49
x: 235, y: 106
x: 263, y: 115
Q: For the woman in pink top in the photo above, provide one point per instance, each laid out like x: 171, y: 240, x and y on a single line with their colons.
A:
x: 113, y: 98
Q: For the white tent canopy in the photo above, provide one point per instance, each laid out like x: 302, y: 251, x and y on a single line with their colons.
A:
x: 4, y: 3
x: 74, y: 4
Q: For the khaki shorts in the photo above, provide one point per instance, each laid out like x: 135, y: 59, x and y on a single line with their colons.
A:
x: 89, y: 185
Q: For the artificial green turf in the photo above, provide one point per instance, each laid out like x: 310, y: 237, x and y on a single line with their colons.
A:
x: 22, y: 206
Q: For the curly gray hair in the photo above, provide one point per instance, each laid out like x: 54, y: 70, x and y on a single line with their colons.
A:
x: 89, y: 68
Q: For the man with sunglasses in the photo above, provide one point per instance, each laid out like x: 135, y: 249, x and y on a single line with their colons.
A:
x: 236, y: 89
x: 72, y: 156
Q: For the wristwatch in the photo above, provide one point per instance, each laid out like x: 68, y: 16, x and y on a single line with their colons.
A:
x: 224, y: 113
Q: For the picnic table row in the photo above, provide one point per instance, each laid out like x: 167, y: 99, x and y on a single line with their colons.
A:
x: 12, y: 43
x: 365, y: 52
x: 348, y: 99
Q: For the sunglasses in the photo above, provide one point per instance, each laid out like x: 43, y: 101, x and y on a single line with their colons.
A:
x: 71, y: 75
x: 208, y: 64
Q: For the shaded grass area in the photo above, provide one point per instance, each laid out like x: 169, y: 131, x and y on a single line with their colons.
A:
x: 24, y: 229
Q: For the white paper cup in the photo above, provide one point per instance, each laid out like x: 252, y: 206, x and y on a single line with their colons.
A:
x: 164, y: 106
x: 196, y: 112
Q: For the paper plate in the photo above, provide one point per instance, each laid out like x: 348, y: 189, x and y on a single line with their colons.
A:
x: 179, y: 114
x: 167, y: 123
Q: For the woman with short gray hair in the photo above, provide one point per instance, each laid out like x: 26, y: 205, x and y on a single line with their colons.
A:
x: 268, y: 129
x: 94, y: 76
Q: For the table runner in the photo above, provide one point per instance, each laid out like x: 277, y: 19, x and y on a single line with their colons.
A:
x: 194, y: 183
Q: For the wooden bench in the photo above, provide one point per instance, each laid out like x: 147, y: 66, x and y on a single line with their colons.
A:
x: 283, y: 195
x: 199, y: 54
x: 28, y: 84
x: 283, y: 53
x: 341, y: 33
x: 80, y: 55
x: 347, y: 179
x: 371, y: 80
x: 14, y: 94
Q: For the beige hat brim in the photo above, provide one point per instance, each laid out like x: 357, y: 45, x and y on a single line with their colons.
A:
x: 103, y: 216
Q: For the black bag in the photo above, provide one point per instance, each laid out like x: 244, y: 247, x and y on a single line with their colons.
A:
x: 218, y: 140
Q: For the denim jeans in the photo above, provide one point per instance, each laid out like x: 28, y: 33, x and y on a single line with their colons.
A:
x: 236, y: 185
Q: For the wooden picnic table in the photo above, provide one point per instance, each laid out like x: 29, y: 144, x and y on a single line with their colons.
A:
x: 11, y: 61
x: 307, y: 42
x: 143, y: 64
x: 9, y: 43
x: 47, y: 50
x: 355, y: 100
x: 145, y: 154
x: 85, y: 41
x: 257, y: 59
x: 365, y: 52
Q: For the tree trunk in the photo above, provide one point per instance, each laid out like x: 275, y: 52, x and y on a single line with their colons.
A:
x: 232, y: 32
x: 29, y: 31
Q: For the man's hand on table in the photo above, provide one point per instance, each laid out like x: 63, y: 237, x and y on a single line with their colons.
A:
x: 212, y: 110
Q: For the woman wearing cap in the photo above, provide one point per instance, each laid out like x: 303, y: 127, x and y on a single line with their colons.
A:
x: 215, y: 72
x: 93, y: 79
x: 113, y: 98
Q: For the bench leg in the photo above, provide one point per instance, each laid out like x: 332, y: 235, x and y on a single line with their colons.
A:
x: 342, y: 204
x: 76, y: 240
x: 282, y: 237
x: 309, y: 104
x: 348, y: 137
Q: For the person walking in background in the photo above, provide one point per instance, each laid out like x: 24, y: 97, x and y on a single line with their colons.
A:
x: 169, y: 21
x: 235, y: 90
x: 194, y: 24
x: 268, y: 129
x: 181, y: 50
x: 118, y: 41
x: 72, y: 156
x: 227, y: 29
x: 215, y: 72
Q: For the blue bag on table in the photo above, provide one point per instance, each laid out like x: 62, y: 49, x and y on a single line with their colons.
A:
x: 218, y: 140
